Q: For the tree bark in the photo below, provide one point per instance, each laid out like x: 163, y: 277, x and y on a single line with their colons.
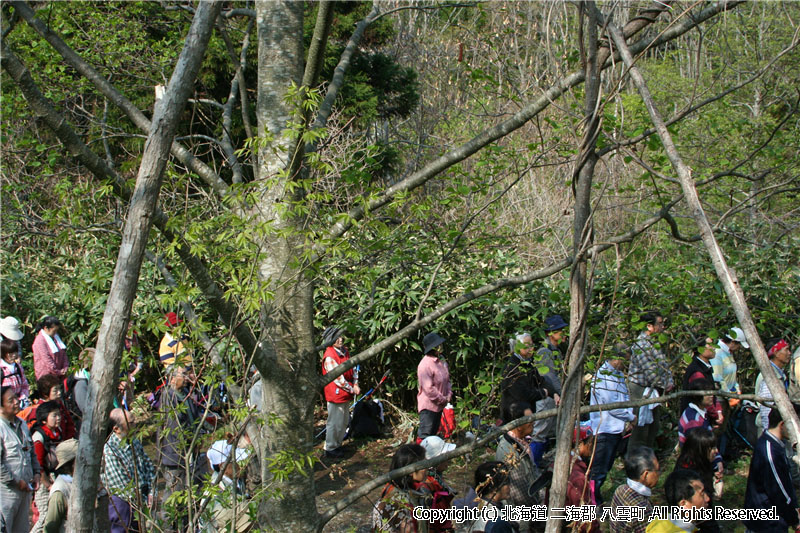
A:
x: 105, y: 368
x: 582, y: 238
x: 725, y: 273
x: 288, y: 362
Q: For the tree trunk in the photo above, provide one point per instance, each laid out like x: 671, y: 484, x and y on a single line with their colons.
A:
x: 288, y: 362
x: 105, y: 368
x: 582, y: 238
x: 726, y: 275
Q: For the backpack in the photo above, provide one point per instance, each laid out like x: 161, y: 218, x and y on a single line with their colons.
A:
x: 70, y: 402
x: 366, y: 420
x: 50, y: 458
x: 29, y: 415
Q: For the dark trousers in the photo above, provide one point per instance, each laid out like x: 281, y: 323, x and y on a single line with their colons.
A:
x: 120, y: 515
x: 428, y: 423
x: 605, y: 452
x: 643, y: 435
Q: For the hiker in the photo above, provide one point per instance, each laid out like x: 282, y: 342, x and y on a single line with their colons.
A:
x: 19, y: 468
x: 46, y: 435
x: 50, y: 388
x: 642, y: 470
x: 228, y: 507
x: 549, y: 357
x: 700, y: 369
x: 580, y: 489
x: 512, y: 449
x: 683, y: 488
x: 609, y: 426
x: 769, y: 483
x: 695, y: 415
x: 779, y: 355
x: 435, y: 391
x: 724, y: 364
x: 58, y: 503
x: 49, y: 351
x: 182, y: 417
x: 434, y: 482
x: 650, y: 377
x: 9, y: 329
x: 173, y: 348
x: 129, y: 475
x: 492, y: 487
x: 339, y: 393
x: 522, y: 382
x: 394, y: 512
x: 12, y: 374
x: 700, y: 455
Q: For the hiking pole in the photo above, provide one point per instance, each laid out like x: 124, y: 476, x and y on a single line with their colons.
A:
x: 366, y: 395
x: 371, y: 391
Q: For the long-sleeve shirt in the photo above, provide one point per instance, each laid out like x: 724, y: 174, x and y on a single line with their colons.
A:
x: 329, y: 363
x: 724, y: 367
x: 545, y: 356
x: 696, y: 417
x: 763, y: 391
x: 608, y: 387
x: 770, y: 484
x: 17, y: 459
x: 697, y: 370
x: 14, y: 377
x: 122, y: 461
x: 434, y: 384
x: 522, y: 382
x: 45, y: 361
x: 649, y: 367
x: 631, y: 494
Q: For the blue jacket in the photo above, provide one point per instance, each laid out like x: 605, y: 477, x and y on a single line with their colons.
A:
x: 770, y: 483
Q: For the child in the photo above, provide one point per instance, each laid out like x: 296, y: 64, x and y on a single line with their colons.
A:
x: 394, y: 512
x: 46, y: 435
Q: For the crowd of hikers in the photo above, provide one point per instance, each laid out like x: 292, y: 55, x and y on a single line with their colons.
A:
x: 510, y: 493
x: 39, y: 427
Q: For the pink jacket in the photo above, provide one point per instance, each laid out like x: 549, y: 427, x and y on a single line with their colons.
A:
x: 434, y: 384
x: 46, y: 362
x: 14, y: 377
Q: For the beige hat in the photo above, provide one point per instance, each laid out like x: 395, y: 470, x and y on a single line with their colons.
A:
x: 66, y: 452
x: 9, y: 328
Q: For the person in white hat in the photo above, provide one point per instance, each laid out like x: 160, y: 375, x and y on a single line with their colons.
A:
x: 724, y: 368
x: 11, y: 373
x: 228, y: 506
x: 9, y: 328
x: 442, y: 493
x: 724, y: 365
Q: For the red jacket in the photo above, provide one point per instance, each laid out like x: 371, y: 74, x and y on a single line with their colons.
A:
x: 335, y: 391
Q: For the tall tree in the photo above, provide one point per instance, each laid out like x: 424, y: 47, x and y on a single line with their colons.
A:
x: 267, y: 230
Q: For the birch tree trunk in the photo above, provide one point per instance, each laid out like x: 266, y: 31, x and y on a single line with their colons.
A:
x: 287, y: 360
x: 726, y: 274
x: 105, y: 368
x: 582, y: 238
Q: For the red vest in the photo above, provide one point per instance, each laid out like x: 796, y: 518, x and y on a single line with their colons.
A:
x: 333, y: 393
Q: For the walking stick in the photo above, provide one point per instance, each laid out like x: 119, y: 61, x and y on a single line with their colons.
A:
x: 366, y: 395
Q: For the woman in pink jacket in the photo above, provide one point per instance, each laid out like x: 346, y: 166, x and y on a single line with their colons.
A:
x: 49, y: 351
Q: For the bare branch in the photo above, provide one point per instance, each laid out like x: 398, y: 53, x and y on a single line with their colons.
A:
x: 137, y: 117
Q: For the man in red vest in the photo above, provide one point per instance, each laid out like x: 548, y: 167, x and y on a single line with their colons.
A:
x: 339, y: 392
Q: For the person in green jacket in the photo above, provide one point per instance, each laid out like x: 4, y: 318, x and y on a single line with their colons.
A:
x: 55, y: 520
